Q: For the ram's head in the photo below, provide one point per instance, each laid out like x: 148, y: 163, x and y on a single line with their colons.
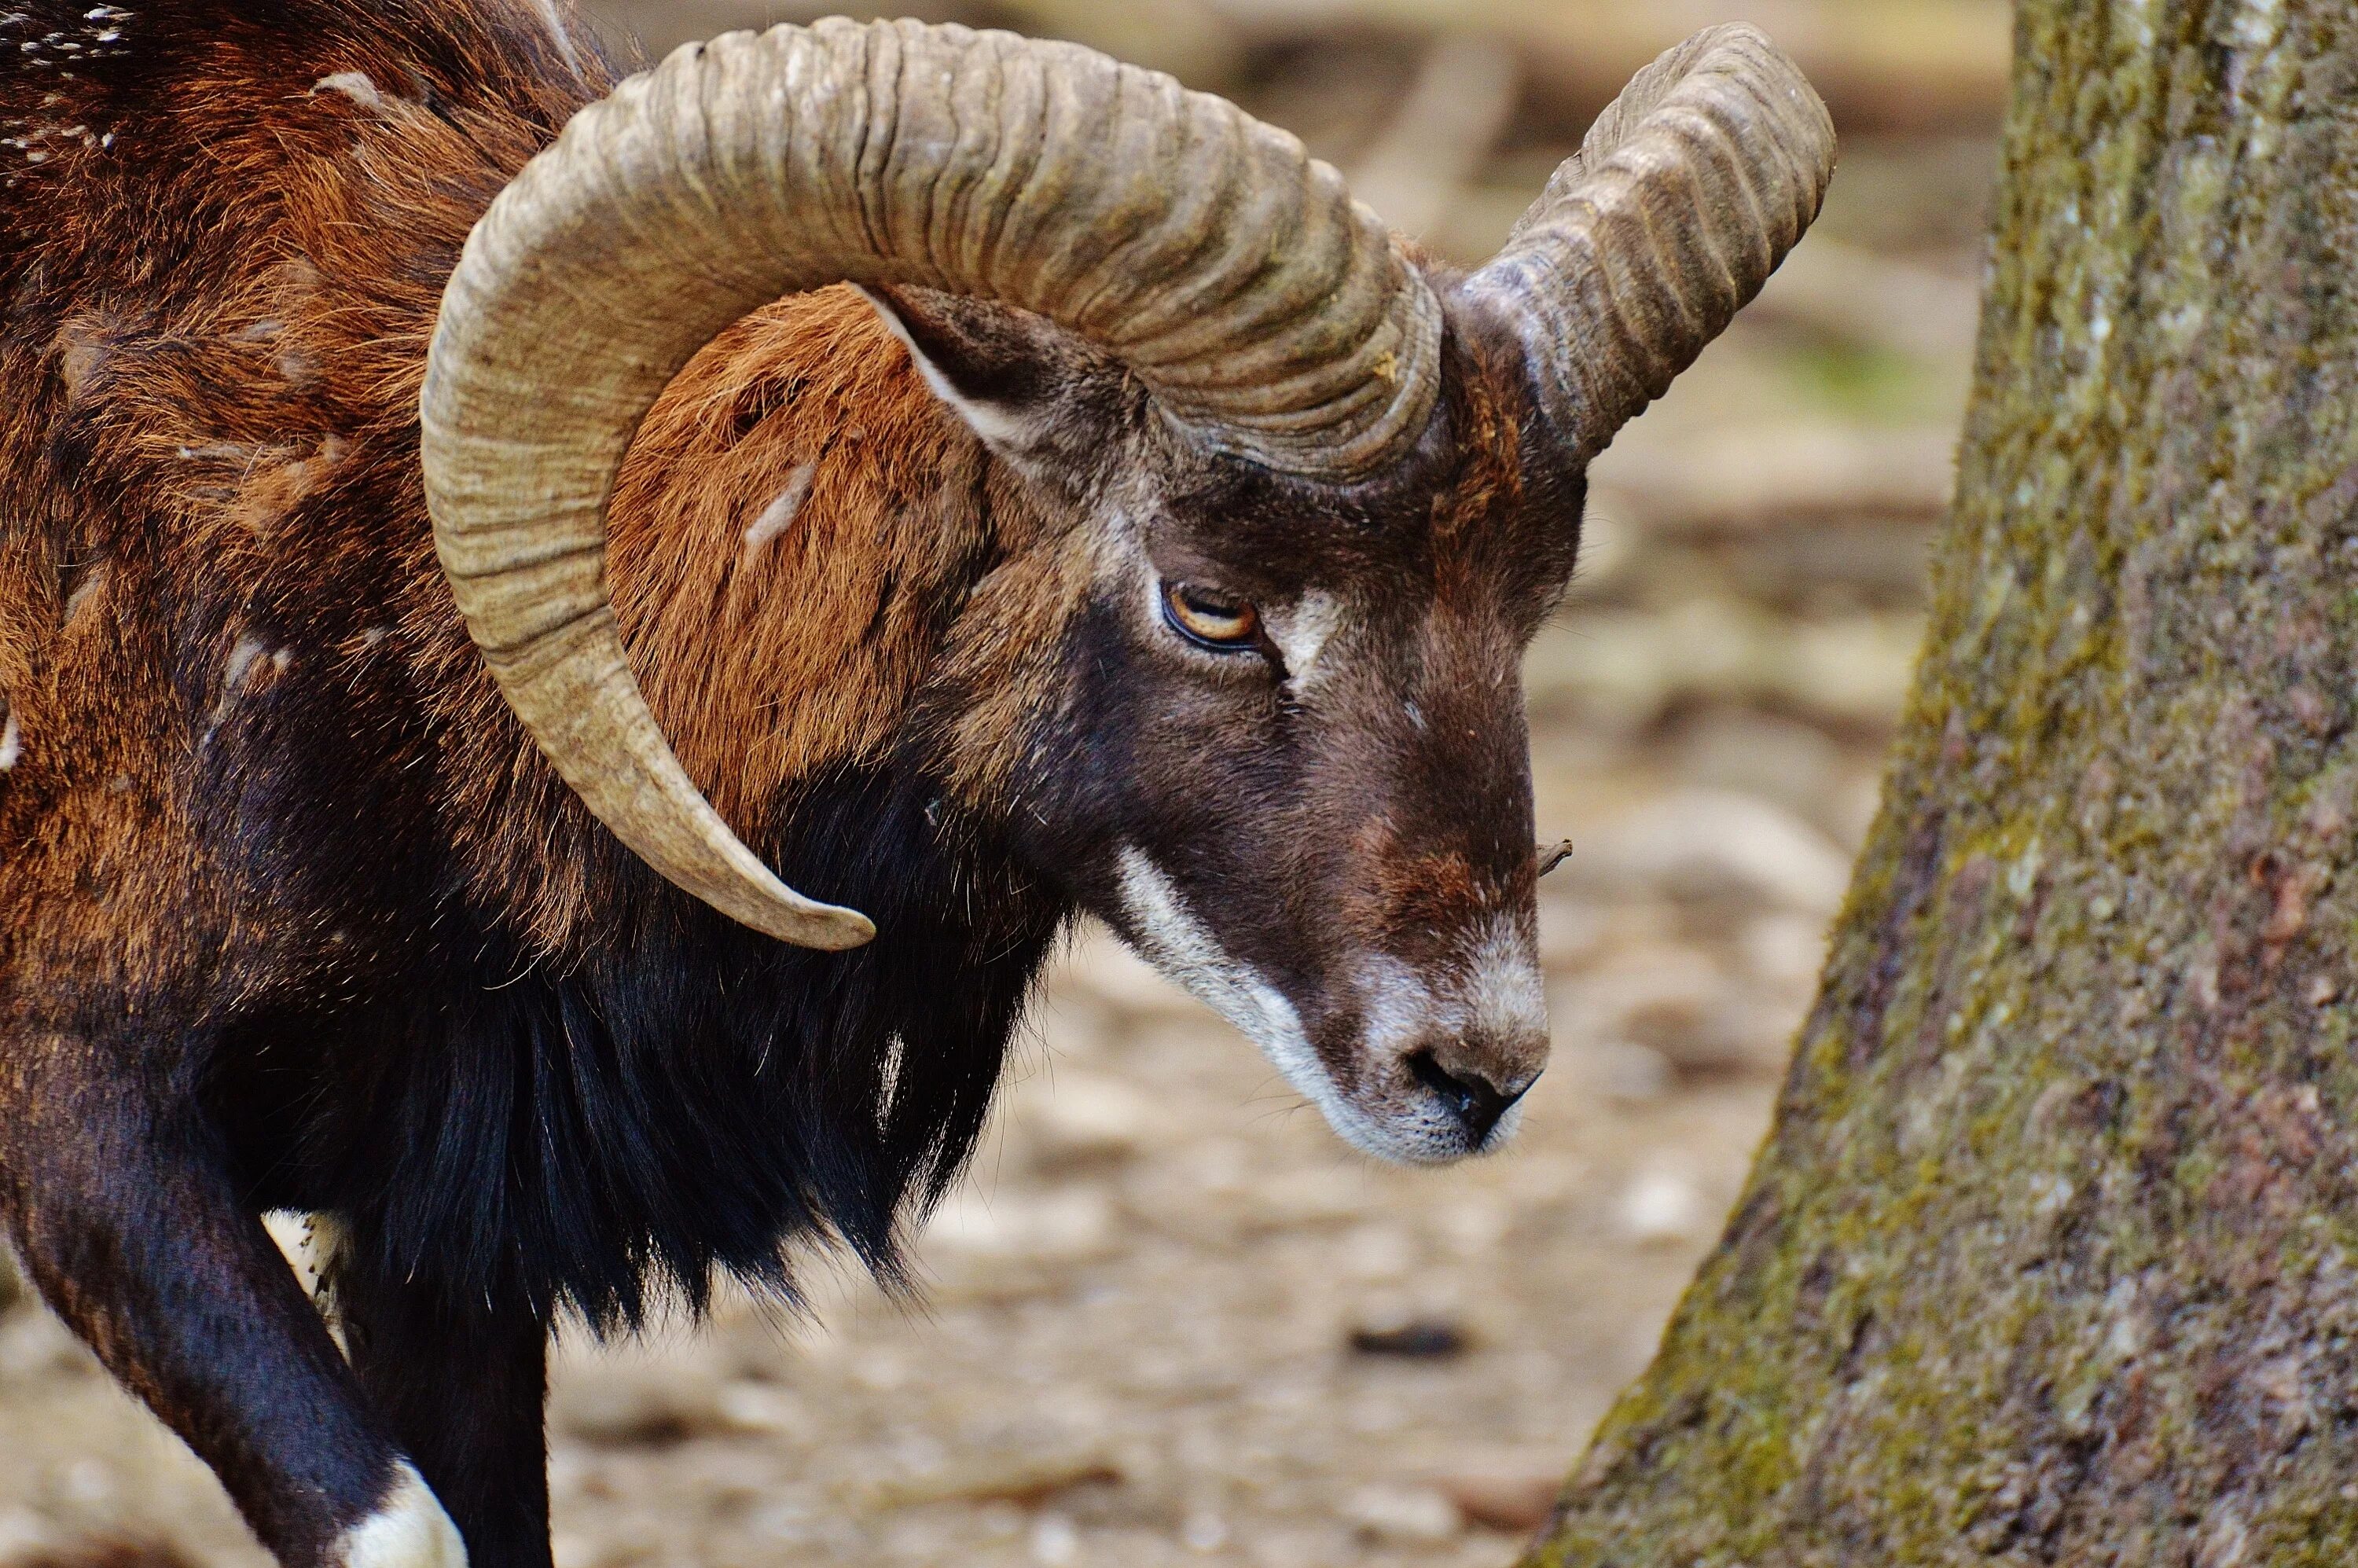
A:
x: 1308, y: 495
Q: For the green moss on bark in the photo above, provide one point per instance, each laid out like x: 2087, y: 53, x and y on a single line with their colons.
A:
x: 2052, y: 1255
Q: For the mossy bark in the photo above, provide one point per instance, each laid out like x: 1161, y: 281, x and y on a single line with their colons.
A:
x: 2052, y: 1256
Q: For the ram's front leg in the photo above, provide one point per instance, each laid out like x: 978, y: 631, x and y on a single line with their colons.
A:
x: 114, y: 1189
x: 464, y: 1389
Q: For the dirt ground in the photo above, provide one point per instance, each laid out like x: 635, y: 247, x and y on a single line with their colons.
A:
x: 1171, y: 1319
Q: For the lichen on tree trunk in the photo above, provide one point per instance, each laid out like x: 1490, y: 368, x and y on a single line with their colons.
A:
x: 2052, y: 1255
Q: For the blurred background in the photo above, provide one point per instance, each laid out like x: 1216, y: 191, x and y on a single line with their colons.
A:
x: 1171, y: 1320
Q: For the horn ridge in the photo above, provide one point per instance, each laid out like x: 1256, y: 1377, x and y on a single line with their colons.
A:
x: 1686, y: 194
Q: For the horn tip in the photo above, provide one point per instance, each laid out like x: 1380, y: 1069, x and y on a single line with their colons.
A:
x: 827, y: 927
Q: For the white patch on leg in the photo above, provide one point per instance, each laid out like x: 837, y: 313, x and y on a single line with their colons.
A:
x: 307, y: 1242
x: 1180, y: 945
x: 313, y: 1246
x: 409, y: 1530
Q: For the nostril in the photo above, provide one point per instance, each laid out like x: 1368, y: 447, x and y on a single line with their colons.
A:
x: 1475, y: 1100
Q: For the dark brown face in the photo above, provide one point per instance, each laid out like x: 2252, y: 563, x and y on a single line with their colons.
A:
x: 1288, y: 762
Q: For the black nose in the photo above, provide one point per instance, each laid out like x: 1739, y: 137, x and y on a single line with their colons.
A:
x: 1473, y: 1099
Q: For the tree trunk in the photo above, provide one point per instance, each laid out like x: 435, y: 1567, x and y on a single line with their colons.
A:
x: 2052, y: 1256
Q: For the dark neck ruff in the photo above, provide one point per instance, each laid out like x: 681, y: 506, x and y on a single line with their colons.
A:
x: 694, y: 1099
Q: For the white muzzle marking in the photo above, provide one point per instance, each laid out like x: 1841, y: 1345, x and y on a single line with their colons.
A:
x: 1184, y: 948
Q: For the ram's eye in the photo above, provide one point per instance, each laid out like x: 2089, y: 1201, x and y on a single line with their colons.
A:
x: 1209, y: 619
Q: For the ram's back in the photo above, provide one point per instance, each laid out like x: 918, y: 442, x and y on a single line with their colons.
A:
x: 220, y: 242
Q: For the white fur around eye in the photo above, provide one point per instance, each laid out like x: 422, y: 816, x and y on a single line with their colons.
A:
x: 1302, y: 631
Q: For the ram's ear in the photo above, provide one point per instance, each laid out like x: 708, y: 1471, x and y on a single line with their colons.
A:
x: 1034, y: 395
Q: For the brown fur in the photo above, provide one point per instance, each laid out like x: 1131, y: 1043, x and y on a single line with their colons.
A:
x: 814, y: 641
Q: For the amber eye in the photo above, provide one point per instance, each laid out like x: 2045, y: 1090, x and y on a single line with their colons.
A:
x: 1210, y: 619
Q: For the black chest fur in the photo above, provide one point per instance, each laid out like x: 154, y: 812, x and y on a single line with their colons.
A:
x: 694, y: 1098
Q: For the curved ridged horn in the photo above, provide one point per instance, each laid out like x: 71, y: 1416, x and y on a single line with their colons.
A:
x: 1687, y: 192
x: 1268, y: 315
